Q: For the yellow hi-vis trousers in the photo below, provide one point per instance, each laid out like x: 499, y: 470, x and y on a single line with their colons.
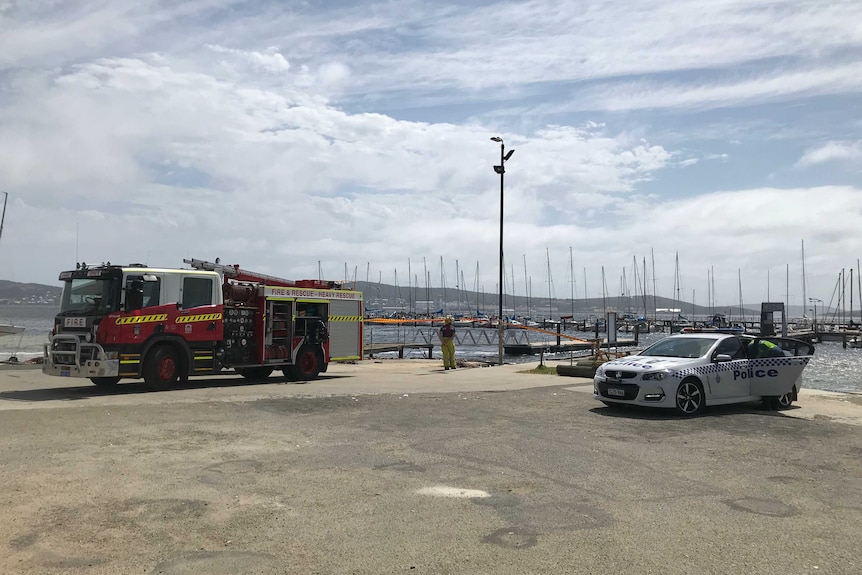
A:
x: 448, y: 346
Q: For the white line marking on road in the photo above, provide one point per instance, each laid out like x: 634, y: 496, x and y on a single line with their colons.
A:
x: 443, y: 491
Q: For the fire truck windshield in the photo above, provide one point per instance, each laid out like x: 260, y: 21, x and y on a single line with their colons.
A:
x: 90, y: 296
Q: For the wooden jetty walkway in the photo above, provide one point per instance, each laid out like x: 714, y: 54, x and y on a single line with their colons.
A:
x: 371, y: 348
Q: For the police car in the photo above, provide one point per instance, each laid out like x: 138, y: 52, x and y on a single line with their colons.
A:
x: 687, y: 372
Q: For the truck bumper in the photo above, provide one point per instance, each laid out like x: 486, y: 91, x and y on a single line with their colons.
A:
x: 71, y: 356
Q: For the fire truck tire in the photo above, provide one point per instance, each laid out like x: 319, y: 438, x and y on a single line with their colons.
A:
x: 255, y: 372
x: 308, y: 362
x: 161, y: 369
x: 105, y: 381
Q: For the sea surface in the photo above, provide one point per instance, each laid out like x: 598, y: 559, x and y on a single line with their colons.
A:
x: 833, y: 367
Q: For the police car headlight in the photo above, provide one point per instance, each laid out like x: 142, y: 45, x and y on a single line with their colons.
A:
x: 600, y: 371
x: 657, y: 375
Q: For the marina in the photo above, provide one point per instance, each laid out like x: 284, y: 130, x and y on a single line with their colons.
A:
x: 833, y: 368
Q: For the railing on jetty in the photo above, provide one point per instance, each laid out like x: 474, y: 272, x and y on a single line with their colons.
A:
x: 811, y: 336
x: 519, y: 340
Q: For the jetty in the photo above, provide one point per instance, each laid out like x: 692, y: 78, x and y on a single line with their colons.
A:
x: 370, y: 349
x: 532, y: 348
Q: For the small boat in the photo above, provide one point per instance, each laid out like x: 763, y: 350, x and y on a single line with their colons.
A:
x: 855, y: 342
x: 4, y: 328
x: 10, y: 330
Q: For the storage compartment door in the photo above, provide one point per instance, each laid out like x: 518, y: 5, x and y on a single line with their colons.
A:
x: 345, y: 330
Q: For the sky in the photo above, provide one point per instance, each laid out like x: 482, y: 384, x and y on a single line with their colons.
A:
x: 352, y: 140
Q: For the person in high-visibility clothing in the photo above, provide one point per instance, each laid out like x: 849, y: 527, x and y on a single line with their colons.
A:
x: 447, y: 343
x: 763, y: 348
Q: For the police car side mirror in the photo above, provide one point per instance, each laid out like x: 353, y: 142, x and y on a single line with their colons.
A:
x: 723, y: 357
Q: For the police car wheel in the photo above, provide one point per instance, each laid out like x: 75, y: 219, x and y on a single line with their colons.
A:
x: 782, y: 401
x: 689, y: 397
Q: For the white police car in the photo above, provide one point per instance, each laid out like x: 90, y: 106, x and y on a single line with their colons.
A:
x: 690, y: 371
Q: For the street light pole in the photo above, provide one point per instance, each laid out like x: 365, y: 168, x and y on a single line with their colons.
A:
x: 501, y: 170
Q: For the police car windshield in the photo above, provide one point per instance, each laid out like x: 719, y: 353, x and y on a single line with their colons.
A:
x: 680, y: 347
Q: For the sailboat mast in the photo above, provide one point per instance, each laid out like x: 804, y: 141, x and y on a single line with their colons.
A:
x: 548, y: 257
x: 804, y: 299
x: 604, y: 294
x: 427, y: 288
x: 654, y: 303
x: 476, y: 285
x: 3, y: 218
x: 644, y: 289
x: 514, y: 294
x: 859, y: 286
x: 572, y: 275
x: 409, y: 288
x: 526, y: 285
x: 458, y: 285
x: 709, y: 295
x: 676, y: 280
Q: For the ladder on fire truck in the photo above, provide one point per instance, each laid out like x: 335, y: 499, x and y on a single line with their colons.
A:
x: 235, y: 273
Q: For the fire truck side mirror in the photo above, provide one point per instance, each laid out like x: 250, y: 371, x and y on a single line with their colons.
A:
x: 135, y: 295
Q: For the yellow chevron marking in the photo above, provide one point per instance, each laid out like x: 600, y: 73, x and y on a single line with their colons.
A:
x: 344, y: 318
x: 141, y: 319
x: 198, y: 317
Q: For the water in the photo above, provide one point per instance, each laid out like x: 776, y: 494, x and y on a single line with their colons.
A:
x: 38, y: 320
x: 833, y: 367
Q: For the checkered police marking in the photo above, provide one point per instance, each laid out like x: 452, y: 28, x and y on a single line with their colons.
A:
x: 762, y: 367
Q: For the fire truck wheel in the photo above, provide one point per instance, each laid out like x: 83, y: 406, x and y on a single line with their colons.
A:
x: 255, y: 372
x: 105, y: 381
x: 307, y: 364
x: 161, y: 368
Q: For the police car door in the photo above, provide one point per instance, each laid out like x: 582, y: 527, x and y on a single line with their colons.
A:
x: 774, y: 376
x: 729, y: 378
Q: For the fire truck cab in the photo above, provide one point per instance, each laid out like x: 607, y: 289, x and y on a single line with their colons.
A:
x: 164, y: 324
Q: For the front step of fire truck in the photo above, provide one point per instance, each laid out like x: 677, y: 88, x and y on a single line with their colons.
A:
x: 70, y: 355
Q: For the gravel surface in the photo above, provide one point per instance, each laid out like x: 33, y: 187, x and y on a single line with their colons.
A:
x: 391, y: 467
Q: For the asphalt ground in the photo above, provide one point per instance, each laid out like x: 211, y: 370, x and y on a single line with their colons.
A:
x: 399, y: 466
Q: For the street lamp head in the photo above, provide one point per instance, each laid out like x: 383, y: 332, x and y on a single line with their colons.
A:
x: 499, y: 169
x: 497, y: 139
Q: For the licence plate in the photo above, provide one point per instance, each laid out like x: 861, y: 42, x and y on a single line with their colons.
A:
x: 65, y: 372
x: 75, y: 322
x: 617, y: 392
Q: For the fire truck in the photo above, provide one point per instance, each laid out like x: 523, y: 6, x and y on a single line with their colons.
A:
x: 164, y: 325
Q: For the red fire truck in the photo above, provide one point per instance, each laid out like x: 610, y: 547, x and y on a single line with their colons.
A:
x: 164, y: 324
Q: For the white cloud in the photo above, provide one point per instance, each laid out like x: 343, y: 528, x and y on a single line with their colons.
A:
x: 278, y: 134
x: 270, y: 60
x: 832, y: 152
